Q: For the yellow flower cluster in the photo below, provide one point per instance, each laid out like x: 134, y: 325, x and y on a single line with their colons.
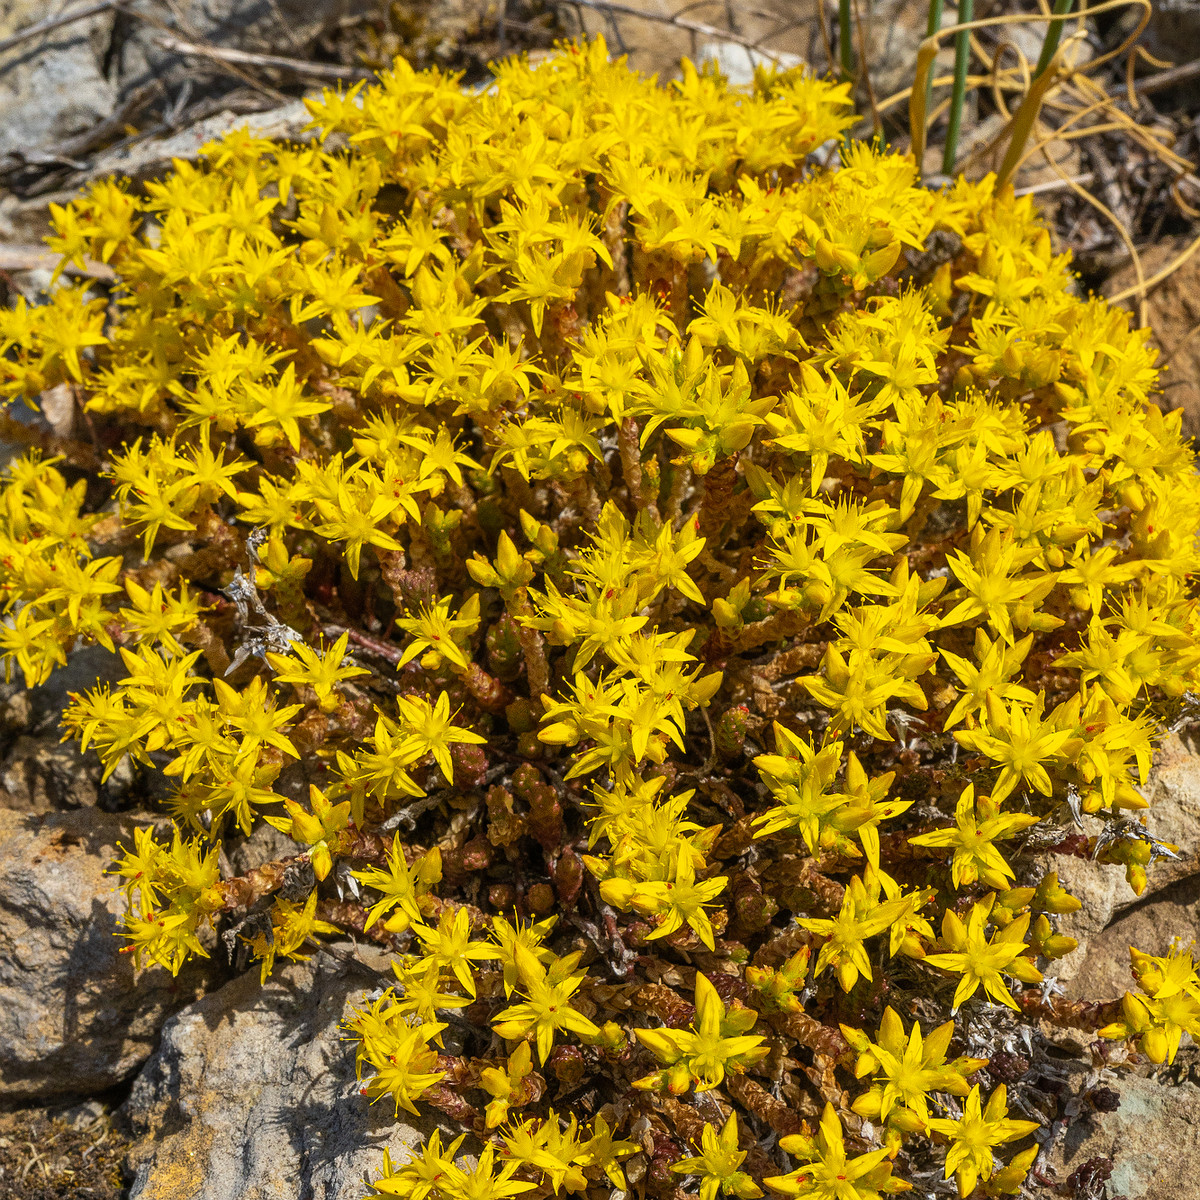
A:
x: 804, y: 526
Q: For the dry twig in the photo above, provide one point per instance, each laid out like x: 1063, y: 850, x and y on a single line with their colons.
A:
x: 226, y: 55
x: 34, y: 258
x: 52, y: 23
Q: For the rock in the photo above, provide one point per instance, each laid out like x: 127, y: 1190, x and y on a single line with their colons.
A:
x: 42, y: 775
x: 144, y: 159
x: 59, y: 408
x: 16, y: 713
x: 1040, y: 169
x: 67, y: 81
x: 1074, y: 48
x: 737, y: 62
x: 1174, y: 814
x: 52, y: 87
x: 280, y: 27
x: 85, y: 669
x: 1150, y: 926
x: 1151, y: 1144
x: 252, y: 1093
x: 80, y: 1116
x: 265, y: 844
x: 1112, y: 916
x: 654, y: 46
x: 75, y: 1017
x: 1100, y: 887
x: 1173, y: 35
x: 893, y: 31
x: 982, y: 146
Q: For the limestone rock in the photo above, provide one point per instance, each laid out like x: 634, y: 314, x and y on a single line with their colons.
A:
x: 75, y: 1017
x: 86, y: 668
x: 261, y: 26
x: 41, y: 775
x: 144, y: 159
x: 738, y: 63
x: 1173, y: 34
x: 1101, y: 888
x: 1111, y: 913
x: 1150, y: 926
x: 252, y: 1093
x: 1075, y: 50
x: 893, y: 31
x: 1174, y: 813
x: 68, y: 80
x: 655, y: 46
x: 266, y: 844
x: 52, y: 87
x: 280, y: 27
x: 1151, y: 1143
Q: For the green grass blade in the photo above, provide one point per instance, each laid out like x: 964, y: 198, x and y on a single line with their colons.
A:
x: 931, y: 27
x: 962, y: 57
x: 845, y: 38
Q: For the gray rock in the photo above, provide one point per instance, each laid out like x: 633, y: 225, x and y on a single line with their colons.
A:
x: 738, y: 63
x: 1100, y: 887
x: 1074, y: 50
x: 893, y: 31
x: 65, y: 82
x: 85, y: 669
x: 41, y: 775
x: 39, y: 772
x: 146, y: 158
x: 265, y: 844
x: 283, y: 27
x: 252, y: 1093
x: 75, y: 1017
x: 1174, y: 813
x: 654, y: 46
x: 1151, y: 926
x: 52, y: 87
x: 1151, y: 1143
x: 82, y: 1115
x: 1112, y: 915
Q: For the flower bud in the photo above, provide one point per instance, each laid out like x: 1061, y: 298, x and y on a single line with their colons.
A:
x: 1154, y: 1045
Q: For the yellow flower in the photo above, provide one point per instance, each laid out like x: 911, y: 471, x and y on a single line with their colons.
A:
x: 983, y: 961
x: 717, y: 1164
x: 974, y: 1136
x: 826, y: 1173
x: 322, y: 672
x: 977, y: 826
x: 906, y: 1070
x: 546, y: 1009
x: 717, y: 1042
x: 322, y: 830
x: 291, y: 926
x: 438, y: 637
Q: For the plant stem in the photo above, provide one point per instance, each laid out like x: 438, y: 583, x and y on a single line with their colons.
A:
x: 931, y: 27
x: 845, y: 36
x: 962, y: 56
x: 1022, y: 125
x: 1043, y: 79
x: 1053, y: 37
x: 918, y: 101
